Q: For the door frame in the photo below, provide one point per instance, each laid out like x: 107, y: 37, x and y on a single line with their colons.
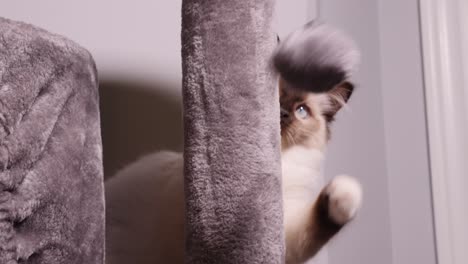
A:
x: 444, y: 31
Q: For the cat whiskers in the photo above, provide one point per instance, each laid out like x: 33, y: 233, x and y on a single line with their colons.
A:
x: 289, y: 137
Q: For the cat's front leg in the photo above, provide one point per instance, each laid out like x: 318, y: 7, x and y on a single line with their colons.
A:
x: 336, y: 205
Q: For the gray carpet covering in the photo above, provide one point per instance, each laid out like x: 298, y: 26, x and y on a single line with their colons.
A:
x: 51, y: 180
x: 232, y: 137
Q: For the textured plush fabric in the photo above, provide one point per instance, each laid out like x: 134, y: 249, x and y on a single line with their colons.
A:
x: 51, y: 188
x: 231, y: 118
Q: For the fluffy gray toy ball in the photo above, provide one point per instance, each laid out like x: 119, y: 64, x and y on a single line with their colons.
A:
x: 316, y: 57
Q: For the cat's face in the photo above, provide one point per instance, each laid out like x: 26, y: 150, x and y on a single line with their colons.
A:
x: 306, y: 116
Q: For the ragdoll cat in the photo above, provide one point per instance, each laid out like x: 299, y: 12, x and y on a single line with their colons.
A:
x: 145, y: 201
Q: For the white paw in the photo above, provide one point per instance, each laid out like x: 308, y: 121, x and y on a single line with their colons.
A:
x: 345, y: 197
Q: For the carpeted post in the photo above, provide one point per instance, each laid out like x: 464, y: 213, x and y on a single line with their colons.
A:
x: 51, y: 180
x: 232, y: 137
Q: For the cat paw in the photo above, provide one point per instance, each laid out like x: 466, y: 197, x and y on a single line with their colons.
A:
x: 344, y: 198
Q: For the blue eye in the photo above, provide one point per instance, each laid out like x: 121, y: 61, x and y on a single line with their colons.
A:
x: 301, y: 112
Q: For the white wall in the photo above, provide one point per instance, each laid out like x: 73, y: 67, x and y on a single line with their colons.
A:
x: 358, y: 139
x: 406, y: 133
x: 383, y: 139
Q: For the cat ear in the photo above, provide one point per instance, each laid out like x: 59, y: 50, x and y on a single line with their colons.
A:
x: 337, y: 98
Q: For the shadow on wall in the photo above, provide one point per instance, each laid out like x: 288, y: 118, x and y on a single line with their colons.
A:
x: 137, y: 118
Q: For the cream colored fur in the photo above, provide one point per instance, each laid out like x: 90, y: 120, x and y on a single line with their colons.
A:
x: 146, y: 205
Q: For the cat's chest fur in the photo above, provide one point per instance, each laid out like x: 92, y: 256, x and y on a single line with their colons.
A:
x: 301, y: 173
x: 301, y: 183
x: 145, y: 203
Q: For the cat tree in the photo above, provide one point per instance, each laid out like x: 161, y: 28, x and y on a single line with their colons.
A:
x: 232, y: 149
x: 51, y: 180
